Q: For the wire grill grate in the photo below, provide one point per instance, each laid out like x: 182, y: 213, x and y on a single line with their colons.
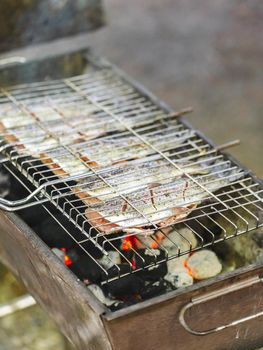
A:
x: 117, y: 165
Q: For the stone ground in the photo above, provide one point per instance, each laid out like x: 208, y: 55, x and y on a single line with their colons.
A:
x: 206, y: 54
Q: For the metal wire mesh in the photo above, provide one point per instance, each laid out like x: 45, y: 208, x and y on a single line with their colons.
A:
x: 122, y: 169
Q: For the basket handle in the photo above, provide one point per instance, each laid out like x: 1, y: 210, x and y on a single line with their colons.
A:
x: 23, y: 203
x: 210, y: 296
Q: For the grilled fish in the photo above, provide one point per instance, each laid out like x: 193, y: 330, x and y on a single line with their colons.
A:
x: 133, y: 176
x: 157, y: 206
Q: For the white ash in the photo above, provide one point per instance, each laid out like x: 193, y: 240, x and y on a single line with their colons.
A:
x: 156, y: 283
x: 152, y: 252
x: 107, y: 261
x: 180, y: 238
x: 98, y: 293
x: 179, y: 278
x: 177, y: 264
x: 204, y: 264
x: 150, y: 268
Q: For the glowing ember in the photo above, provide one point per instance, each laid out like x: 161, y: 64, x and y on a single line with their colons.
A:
x: 158, y: 237
x: 129, y: 242
x: 67, y: 260
x: 188, y: 268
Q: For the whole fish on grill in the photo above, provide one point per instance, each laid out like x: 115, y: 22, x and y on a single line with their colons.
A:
x: 42, y: 120
x: 45, y: 133
x: 159, y: 205
x: 112, y: 149
x: 133, y: 176
x: 75, y: 160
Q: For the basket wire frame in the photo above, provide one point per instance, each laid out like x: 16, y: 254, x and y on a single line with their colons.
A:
x: 95, y: 133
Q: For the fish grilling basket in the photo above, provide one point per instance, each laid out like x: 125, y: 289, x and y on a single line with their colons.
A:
x: 120, y: 167
x: 139, y: 185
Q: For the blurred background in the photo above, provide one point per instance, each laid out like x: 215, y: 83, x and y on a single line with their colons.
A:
x: 204, y: 54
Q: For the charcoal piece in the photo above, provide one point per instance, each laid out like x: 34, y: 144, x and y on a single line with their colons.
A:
x: 151, y: 256
x: 99, y: 294
x: 204, y: 264
x: 124, y: 286
x: 178, y: 236
x: 179, y: 279
x: 91, y: 249
x: 74, y: 255
x: 85, y: 268
x: 53, y: 234
x: 153, y: 289
x: 127, y: 254
x: 122, y: 304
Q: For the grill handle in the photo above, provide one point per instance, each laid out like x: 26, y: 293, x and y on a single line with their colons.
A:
x: 218, y: 293
x: 26, y: 202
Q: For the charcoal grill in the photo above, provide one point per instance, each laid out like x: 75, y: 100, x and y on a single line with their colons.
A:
x: 125, y: 110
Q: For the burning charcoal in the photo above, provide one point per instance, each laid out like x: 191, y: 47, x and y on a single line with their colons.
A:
x: 147, y: 257
x: 177, y: 264
x: 178, y: 274
x: 153, y: 289
x: 63, y: 255
x: 81, y: 264
x: 113, y: 304
x: 97, y: 291
x: 179, y: 279
x: 85, y: 267
x: 124, y: 286
x: 112, y: 259
x: 204, y: 264
x: 178, y: 238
